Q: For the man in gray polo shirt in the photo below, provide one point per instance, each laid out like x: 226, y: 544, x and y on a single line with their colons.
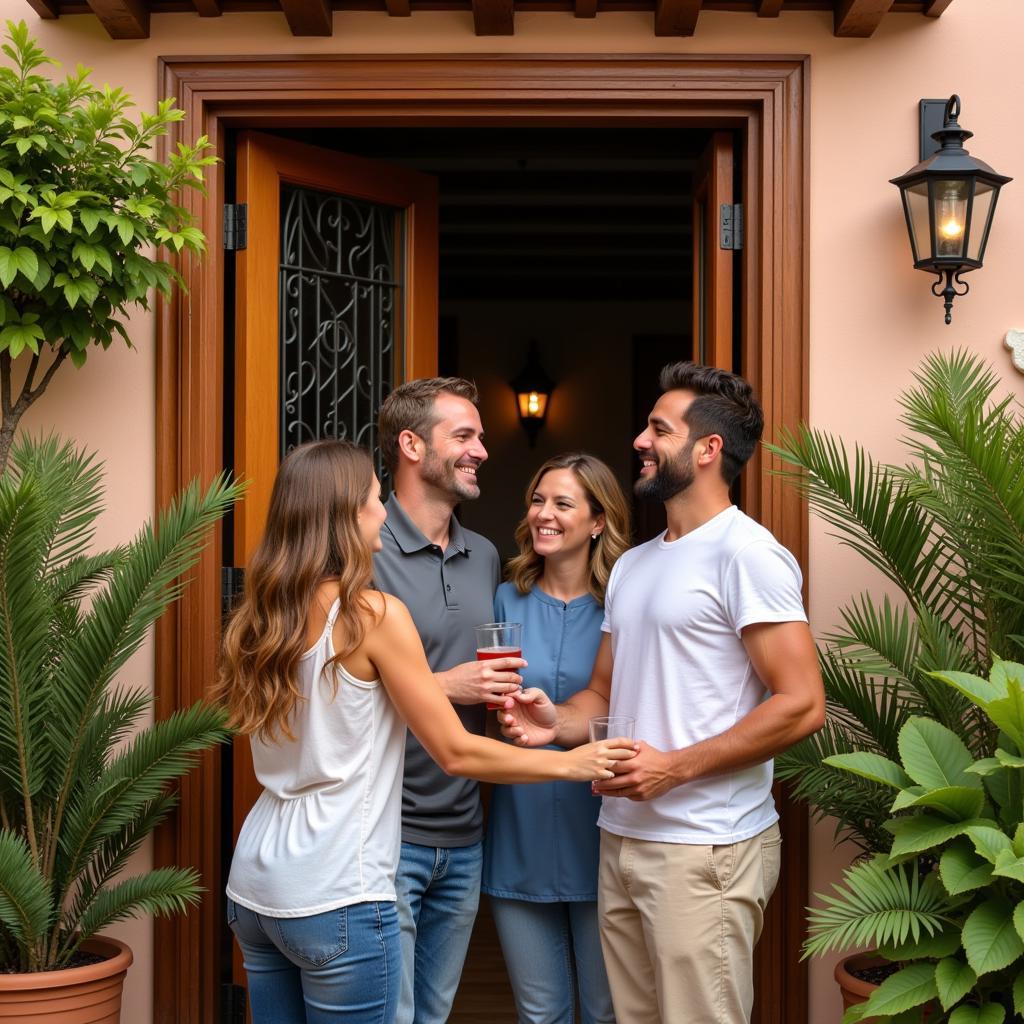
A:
x: 432, y: 441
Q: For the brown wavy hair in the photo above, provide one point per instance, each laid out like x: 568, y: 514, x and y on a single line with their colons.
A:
x: 312, y: 535
x: 604, y: 495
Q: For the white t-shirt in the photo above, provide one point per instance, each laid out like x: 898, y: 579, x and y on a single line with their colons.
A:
x: 675, y: 612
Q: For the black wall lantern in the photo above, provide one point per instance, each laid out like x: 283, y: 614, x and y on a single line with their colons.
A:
x: 949, y: 200
x: 533, y: 389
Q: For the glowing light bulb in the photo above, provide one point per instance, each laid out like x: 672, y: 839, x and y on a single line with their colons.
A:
x: 533, y: 403
x: 950, y: 218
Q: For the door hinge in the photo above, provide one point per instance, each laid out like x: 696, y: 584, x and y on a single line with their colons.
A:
x: 236, y: 226
x: 731, y: 224
x: 232, y: 1004
x: 232, y: 583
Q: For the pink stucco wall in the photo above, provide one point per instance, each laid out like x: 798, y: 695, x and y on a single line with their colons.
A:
x: 872, y: 317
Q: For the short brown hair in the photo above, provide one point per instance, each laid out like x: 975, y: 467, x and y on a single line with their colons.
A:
x: 725, y: 405
x: 411, y: 407
x: 604, y: 495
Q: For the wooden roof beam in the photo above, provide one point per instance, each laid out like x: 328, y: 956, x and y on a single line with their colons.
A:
x: 676, y: 17
x: 769, y: 8
x: 399, y: 8
x: 494, y: 17
x: 207, y: 8
x: 123, y: 19
x: 858, y: 19
x: 309, y: 17
x: 47, y: 9
x: 934, y: 8
x: 585, y: 8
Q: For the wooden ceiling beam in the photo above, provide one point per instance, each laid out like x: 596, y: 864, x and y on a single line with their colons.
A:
x: 308, y: 17
x: 585, y: 8
x: 676, y: 17
x: 934, y: 8
x: 123, y: 19
x: 47, y: 9
x: 769, y: 8
x: 494, y: 17
x: 207, y: 8
x: 399, y: 8
x: 858, y: 19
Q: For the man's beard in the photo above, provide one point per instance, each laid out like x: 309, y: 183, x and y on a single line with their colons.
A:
x: 670, y: 478
x: 443, y: 475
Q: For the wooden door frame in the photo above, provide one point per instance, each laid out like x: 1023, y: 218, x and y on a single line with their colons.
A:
x: 763, y: 98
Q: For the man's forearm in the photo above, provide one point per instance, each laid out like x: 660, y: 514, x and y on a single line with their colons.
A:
x: 770, y: 728
x: 575, y: 714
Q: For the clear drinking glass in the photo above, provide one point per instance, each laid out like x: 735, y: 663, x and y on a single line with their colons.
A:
x: 498, y: 640
x: 611, y: 727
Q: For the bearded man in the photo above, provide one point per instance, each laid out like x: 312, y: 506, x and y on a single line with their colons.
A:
x: 706, y: 646
x: 432, y: 442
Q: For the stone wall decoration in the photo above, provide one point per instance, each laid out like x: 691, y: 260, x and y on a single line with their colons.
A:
x: 1014, y: 341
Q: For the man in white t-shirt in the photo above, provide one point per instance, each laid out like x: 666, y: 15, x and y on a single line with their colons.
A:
x: 707, y: 647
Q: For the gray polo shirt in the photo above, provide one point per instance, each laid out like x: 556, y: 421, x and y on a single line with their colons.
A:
x: 447, y: 594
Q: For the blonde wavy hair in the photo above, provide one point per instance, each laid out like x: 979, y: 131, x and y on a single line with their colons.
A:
x: 604, y: 495
x: 312, y: 535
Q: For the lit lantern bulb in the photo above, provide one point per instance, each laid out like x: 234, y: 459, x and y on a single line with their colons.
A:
x: 952, y: 228
x: 533, y: 403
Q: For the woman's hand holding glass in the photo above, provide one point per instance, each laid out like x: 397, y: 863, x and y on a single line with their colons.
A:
x: 593, y: 761
x: 528, y: 718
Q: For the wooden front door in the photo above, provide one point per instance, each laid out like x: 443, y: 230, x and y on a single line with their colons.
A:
x: 336, y: 302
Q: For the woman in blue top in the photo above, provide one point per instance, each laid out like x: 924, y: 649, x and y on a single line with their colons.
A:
x: 541, y: 850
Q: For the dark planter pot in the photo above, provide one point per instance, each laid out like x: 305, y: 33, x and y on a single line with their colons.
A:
x: 80, y: 995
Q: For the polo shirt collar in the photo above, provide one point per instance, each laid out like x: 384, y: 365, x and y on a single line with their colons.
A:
x: 410, y: 538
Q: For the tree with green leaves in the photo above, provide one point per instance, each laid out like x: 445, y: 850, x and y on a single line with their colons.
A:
x: 946, y: 531
x: 83, y: 212
x: 81, y: 784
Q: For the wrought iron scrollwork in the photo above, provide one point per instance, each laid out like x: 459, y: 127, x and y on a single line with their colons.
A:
x: 340, y: 294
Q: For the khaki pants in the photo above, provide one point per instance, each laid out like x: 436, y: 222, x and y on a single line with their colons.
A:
x: 679, y: 924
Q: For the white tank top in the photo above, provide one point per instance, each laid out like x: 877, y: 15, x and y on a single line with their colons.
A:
x: 325, y: 832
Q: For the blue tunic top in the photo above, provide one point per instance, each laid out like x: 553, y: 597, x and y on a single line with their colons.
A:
x: 542, y: 839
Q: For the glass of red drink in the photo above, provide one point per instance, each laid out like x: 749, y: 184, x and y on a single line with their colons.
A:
x: 498, y: 640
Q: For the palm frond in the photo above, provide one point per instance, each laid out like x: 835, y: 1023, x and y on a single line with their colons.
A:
x: 112, y: 856
x: 134, y: 779
x: 160, y: 892
x: 25, y: 644
x: 140, y: 589
x: 25, y: 906
x: 72, y: 479
x: 877, y: 905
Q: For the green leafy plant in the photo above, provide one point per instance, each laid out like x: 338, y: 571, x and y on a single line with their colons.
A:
x: 83, y: 209
x: 81, y: 784
x: 947, y: 533
x: 947, y: 901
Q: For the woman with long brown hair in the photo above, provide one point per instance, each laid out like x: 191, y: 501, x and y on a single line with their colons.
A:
x: 541, y: 849
x: 319, y: 671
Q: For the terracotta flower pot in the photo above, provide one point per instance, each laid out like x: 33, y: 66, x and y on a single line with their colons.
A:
x: 79, y: 995
x: 853, y: 989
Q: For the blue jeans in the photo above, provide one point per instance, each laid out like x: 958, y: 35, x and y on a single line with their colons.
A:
x: 547, y: 947
x: 339, y: 965
x: 438, y: 894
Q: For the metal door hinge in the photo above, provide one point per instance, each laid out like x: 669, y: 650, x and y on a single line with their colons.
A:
x: 236, y: 226
x: 731, y: 226
x: 232, y: 1004
x: 232, y: 583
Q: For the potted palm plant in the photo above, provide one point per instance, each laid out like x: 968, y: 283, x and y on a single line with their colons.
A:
x: 946, y: 532
x: 947, y: 901
x: 81, y: 784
